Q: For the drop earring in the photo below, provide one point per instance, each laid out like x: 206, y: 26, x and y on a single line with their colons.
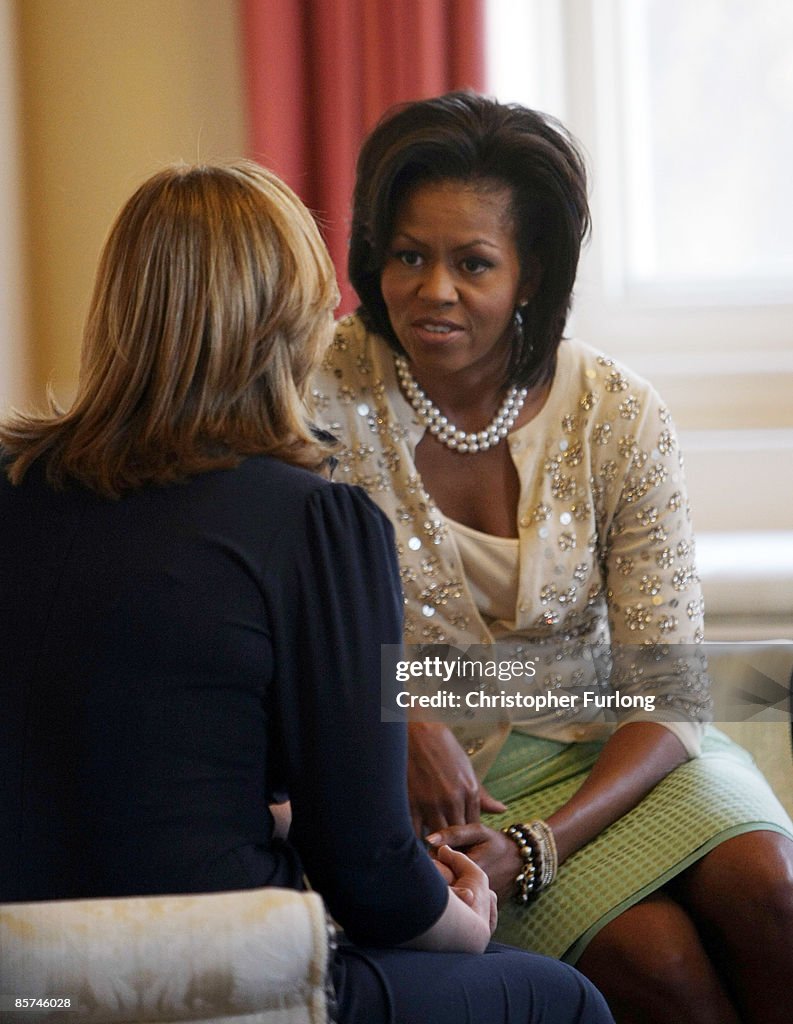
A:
x: 518, y: 320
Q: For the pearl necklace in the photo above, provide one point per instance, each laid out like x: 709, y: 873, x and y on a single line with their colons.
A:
x: 438, y: 425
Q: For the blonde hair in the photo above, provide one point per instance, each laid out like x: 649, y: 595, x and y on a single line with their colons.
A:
x: 213, y: 303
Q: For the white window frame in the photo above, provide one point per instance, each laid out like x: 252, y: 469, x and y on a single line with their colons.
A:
x: 651, y: 324
x: 741, y: 340
x: 724, y: 366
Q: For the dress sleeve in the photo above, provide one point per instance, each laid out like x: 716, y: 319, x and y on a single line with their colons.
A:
x: 346, y: 768
x: 654, y: 595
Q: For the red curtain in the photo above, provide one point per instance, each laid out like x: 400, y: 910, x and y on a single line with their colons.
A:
x: 319, y: 73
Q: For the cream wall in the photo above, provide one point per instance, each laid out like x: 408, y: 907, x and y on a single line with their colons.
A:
x: 13, y: 350
x: 109, y: 91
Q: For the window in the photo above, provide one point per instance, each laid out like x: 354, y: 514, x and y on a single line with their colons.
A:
x: 685, y: 113
x: 703, y: 96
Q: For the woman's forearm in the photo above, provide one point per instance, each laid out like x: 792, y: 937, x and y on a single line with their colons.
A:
x: 457, y: 930
x: 633, y: 761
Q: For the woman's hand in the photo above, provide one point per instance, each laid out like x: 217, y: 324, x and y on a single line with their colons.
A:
x: 634, y: 759
x: 495, y: 853
x: 282, y: 819
x: 442, y: 787
x: 471, y: 913
x: 470, y: 884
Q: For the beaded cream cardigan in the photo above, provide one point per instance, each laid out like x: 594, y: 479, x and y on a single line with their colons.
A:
x: 606, y: 552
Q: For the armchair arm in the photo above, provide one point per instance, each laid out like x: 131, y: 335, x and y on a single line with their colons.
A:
x: 258, y: 956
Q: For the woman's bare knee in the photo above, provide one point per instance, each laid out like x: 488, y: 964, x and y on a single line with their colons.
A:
x: 744, y: 890
x: 741, y: 894
x: 651, y: 966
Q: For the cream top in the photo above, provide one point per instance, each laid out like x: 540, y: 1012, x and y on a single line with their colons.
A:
x: 491, y: 569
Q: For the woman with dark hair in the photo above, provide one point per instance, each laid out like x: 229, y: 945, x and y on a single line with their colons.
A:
x: 187, y: 619
x: 538, y: 497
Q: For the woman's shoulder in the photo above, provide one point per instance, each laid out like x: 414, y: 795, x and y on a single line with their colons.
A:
x: 295, y: 507
x: 590, y: 365
x: 351, y: 331
x: 296, y: 486
x: 602, y: 389
x: 356, y: 375
x: 355, y: 350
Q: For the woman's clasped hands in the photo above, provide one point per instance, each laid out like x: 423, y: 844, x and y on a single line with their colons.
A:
x: 492, y: 851
x: 469, y: 883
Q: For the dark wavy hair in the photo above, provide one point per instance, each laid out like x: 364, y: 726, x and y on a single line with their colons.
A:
x: 465, y: 137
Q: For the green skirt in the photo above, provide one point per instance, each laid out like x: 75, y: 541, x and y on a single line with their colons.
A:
x: 702, y: 803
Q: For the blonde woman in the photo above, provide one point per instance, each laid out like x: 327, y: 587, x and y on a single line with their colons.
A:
x: 191, y: 614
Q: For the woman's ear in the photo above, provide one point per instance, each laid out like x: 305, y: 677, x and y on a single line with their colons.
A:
x: 532, y: 276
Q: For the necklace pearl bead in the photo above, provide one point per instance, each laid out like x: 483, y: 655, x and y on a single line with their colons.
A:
x: 457, y: 440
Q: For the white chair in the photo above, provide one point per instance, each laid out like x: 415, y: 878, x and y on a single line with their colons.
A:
x: 248, y: 957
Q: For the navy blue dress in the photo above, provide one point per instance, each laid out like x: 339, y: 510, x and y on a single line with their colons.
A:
x: 171, y: 660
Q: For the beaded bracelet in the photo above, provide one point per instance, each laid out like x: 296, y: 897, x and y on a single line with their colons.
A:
x: 540, y: 860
